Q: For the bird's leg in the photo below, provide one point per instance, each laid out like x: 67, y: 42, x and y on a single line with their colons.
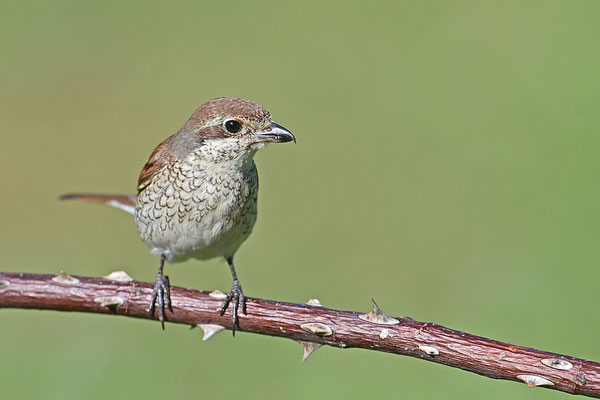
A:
x: 236, y: 295
x: 161, y: 293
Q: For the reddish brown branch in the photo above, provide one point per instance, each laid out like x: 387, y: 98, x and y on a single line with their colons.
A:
x: 427, y: 341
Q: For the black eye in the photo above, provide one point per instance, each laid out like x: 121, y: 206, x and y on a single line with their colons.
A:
x: 233, y: 126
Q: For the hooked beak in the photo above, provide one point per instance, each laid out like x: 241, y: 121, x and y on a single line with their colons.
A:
x: 277, y: 134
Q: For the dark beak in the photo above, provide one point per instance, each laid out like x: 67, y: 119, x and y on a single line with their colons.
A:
x: 277, y: 134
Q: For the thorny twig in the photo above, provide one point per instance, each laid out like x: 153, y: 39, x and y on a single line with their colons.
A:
x: 310, y: 324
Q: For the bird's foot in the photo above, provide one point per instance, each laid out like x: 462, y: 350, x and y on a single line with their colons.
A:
x: 161, y: 294
x: 238, y: 298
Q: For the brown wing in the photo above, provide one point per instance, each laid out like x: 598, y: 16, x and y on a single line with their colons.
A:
x: 159, y: 159
x: 123, y: 201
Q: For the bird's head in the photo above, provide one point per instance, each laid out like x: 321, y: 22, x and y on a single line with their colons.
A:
x: 226, y: 132
x: 231, y: 127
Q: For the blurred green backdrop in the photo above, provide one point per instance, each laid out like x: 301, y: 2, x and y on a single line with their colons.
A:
x: 446, y: 165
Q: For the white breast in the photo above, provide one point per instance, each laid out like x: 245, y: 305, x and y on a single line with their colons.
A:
x: 198, y: 209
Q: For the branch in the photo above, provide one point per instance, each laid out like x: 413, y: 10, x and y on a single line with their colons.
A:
x: 311, y: 324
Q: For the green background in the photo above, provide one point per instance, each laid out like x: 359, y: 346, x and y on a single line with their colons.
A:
x: 446, y: 165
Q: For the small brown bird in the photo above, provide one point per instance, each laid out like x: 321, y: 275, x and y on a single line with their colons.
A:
x: 197, y: 193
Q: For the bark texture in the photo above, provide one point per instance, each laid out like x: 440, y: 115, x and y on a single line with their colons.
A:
x: 311, y: 325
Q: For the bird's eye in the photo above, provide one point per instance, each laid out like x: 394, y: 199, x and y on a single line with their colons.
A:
x: 233, y: 126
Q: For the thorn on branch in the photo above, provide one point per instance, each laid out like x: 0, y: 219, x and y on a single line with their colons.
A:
x: 557, y: 363
x: 377, y: 316
x: 534, y: 380
x: 210, y: 330
x: 217, y: 294
x: 314, y: 302
x: 309, y: 348
x: 119, y: 276
x: 318, y: 328
x: 65, y: 279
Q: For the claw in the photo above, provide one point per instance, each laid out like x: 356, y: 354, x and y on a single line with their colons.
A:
x: 243, y: 299
x: 161, y: 294
x: 238, y: 297
x: 168, y: 294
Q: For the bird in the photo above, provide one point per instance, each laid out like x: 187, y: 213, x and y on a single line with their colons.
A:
x: 197, y: 193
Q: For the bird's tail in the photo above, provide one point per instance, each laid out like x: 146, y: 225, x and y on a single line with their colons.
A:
x: 125, y: 202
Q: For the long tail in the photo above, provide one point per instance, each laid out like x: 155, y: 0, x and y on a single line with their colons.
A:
x: 125, y: 202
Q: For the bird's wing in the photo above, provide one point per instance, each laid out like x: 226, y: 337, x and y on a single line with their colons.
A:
x: 159, y: 159
x: 125, y: 202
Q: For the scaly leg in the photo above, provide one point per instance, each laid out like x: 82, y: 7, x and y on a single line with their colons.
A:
x: 236, y: 295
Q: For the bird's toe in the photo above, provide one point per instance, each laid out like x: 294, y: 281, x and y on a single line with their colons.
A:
x: 236, y: 298
x: 161, y: 297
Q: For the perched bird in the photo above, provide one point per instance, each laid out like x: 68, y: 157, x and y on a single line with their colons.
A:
x: 197, y: 193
